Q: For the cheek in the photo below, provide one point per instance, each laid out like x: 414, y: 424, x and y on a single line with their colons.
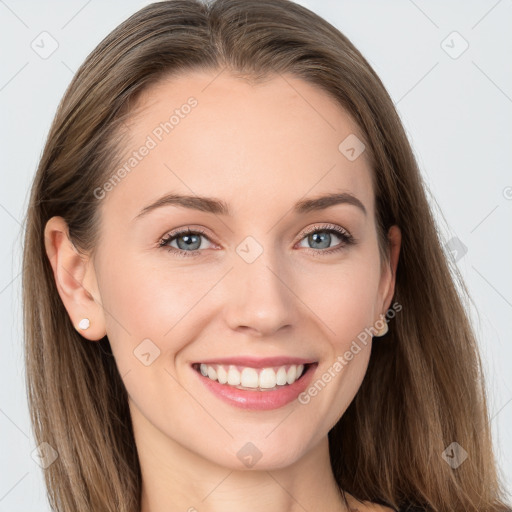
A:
x: 151, y: 291
x: 342, y: 297
x: 143, y: 301
x: 150, y: 319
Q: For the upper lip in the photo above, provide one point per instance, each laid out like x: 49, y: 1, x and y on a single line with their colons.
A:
x: 257, y: 362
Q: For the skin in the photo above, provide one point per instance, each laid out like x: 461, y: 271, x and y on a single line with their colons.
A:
x: 260, y: 148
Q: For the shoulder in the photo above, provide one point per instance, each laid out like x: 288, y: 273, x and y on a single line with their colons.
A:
x: 368, y: 506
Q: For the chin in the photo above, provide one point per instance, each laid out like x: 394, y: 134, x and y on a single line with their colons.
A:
x: 259, y: 452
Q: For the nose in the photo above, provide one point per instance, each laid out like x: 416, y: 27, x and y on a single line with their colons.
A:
x: 260, y: 298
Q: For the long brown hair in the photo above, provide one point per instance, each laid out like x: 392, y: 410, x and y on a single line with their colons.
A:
x: 424, y: 387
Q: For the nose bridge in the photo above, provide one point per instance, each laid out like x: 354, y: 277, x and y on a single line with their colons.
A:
x: 259, y: 295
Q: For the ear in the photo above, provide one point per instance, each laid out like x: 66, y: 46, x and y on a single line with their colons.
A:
x: 75, y: 279
x: 388, y: 276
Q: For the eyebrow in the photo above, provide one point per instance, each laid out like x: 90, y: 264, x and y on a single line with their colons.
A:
x: 219, y: 207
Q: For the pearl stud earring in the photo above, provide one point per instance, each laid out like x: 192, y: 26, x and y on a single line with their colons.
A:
x: 384, y: 328
x: 84, y: 324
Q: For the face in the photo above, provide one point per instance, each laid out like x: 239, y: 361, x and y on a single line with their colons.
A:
x: 264, y: 283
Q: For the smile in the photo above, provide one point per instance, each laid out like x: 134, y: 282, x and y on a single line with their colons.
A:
x: 253, y: 378
x: 255, y: 387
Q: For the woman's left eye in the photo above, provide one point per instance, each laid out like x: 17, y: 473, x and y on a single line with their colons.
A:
x: 188, y: 241
x: 191, y: 240
x: 323, y: 237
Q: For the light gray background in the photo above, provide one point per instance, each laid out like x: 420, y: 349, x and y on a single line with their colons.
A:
x: 457, y: 112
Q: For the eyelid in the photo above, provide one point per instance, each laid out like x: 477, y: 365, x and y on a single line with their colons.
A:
x: 183, y: 231
x: 324, y: 226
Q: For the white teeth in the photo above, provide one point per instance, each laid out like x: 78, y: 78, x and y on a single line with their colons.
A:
x: 249, y: 378
x: 268, y: 378
x: 254, y: 378
x: 222, y: 375
x: 233, y: 376
x: 212, y: 373
x: 291, y: 374
x: 281, y: 376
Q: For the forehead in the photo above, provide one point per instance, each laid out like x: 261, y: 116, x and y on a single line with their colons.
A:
x: 218, y: 135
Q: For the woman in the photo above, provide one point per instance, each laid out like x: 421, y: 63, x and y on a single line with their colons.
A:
x: 188, y: 345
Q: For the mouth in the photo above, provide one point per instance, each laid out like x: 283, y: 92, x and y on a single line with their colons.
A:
x: 253, y: 379
x: 256, y: 386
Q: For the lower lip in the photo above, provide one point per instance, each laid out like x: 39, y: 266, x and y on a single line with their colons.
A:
x: 259, y: 400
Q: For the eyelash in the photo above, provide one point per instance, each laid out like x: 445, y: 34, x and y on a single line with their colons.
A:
x: 346, y: 237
